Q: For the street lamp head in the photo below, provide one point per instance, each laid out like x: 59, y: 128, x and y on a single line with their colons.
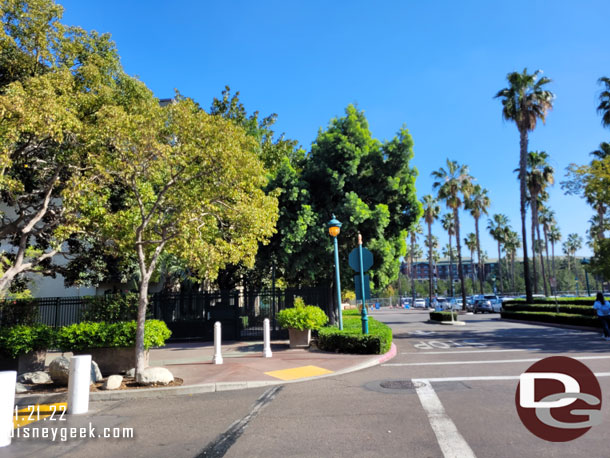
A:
x: 334, y: 226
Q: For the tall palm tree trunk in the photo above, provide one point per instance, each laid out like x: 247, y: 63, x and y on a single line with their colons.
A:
x: 499, y: 268
x: 523, y: 193
x: 535, y: 283
x: 512, y: 270
x: 430, y: 264
x: 542, y: 269
x: 546, y: 249
x: 450, y: 265
x: 459, y: 253
x: 553, y: 257
x: 472, y: 270
x: 480, y: 265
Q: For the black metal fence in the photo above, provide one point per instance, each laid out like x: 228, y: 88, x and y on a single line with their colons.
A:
x: 188, y: 315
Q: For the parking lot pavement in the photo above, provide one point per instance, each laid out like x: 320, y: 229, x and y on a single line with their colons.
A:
x: 467, y: 378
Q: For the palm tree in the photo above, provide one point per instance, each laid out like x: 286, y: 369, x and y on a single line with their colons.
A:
x: 603, y: 151
x: 414, y: 232
x: 497, y: 227
x: 511, y: 245
x: 449, y: 225
x: 539, y: 176
x: 571, y: 246
x: 478, y: 202
x: 546, y: 217
x: 604, y: 101
x: 431, y: 212
x: 453, y: 185
x: 472, y: 243
x: 554, y: 237
x: 525, y: 101
x: 431, y: 242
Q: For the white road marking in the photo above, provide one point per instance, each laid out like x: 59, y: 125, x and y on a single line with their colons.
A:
x: 465, y: 351
x: 451, y: 442
x: 498, y: 361
x: 485, y: 378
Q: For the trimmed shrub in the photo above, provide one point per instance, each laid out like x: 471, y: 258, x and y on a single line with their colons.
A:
x: 551, y: 300
x: 302, y: 316
x: 351, y: 339
x: 89, y: 334
x: 21, y: 339
x: 442, y: 316
x: 563, y: 308
x: 551, y: 317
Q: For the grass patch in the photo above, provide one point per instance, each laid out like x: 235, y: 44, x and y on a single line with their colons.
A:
x: 351, y: 340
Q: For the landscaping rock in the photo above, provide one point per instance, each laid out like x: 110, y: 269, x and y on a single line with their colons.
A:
x: 59, y: 370
x: 35, y: 378
x: 96, y: 375
x: 155, y: 376
x: 113, y: 382
x: 131, y: 373
x: 20, y: 388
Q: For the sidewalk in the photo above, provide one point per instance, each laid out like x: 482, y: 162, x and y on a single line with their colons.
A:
x: 243, y: 367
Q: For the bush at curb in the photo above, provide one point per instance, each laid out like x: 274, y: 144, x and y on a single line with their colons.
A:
x: 443, y: 316
x: 550, y: 317
x: 88, y: 334
x: 351, y: 340
x: 548, y: 308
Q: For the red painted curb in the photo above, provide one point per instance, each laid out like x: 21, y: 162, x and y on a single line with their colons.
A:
x: 389, y: 355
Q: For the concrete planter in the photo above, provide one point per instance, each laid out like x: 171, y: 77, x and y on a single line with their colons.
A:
x: 299, y: 339
x: 114, y: 360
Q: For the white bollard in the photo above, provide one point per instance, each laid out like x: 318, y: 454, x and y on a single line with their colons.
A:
x: 7, y: 403
x: 217, y: 341
x: 267, y: 339
x: 78, y: 384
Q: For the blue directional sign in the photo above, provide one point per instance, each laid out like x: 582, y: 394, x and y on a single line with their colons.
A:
x: 367, y: 287
x: 367, y: 260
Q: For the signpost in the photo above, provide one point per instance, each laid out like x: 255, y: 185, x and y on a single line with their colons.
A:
x: 361, y: 260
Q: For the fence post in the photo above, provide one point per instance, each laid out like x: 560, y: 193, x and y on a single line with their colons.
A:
x: 267, y: 339
x: 217, y: 343
x: 57, y: 304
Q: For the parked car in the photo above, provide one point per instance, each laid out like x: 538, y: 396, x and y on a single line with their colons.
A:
x: 482, y: 306
x: 419, y: 304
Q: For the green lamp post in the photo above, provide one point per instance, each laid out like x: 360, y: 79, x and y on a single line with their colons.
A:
x: 334, y: 227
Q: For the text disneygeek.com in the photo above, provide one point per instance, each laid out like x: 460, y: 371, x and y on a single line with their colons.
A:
x: 65, y: 433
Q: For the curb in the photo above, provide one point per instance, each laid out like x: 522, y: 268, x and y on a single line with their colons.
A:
x: 189, y: 390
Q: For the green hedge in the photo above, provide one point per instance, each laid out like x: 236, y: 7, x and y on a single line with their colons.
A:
x: 351, y: 340
x: 551, y: 300
x: 78, y: 337
x: 113, y: 308
x: 551, y: 317
x: 443, y: 316
x: 563, y: 308
x: 21, y: 339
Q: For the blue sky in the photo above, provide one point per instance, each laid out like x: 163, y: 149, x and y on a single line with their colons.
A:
x: 433, y: 66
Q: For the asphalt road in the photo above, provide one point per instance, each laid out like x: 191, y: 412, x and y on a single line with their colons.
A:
x: 449, y: 392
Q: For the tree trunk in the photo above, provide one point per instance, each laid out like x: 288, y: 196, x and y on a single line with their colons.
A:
x: 142, y: 305
x: 472, y: 270
x: 512, y: 270
x: 451, y: 265
x: 542, y: 269
x: 459, y: 253
x: 412, y: 271
x: 430, y: 264
x: 535, y: 284
x: 499, y: 267
x: 553, y: 258
x: 481, y: 272
x: 522, y: 209
x: 546, y: 249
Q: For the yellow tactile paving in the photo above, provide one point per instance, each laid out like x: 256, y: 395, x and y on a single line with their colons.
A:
x: 298, y: 372
x: 36, y: 412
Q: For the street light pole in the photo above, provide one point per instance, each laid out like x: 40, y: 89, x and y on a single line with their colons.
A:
x: 334, y: 227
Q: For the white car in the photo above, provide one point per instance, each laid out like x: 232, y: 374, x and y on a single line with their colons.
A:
x: 419, y: 304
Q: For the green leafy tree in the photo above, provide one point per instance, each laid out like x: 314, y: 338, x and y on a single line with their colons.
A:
x: 454, y: 184
x: 193, y: 189
x: 477, y: 203
x: 524, y: 102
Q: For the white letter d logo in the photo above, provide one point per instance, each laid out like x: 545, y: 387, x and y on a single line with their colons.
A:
x: 527, y: 389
